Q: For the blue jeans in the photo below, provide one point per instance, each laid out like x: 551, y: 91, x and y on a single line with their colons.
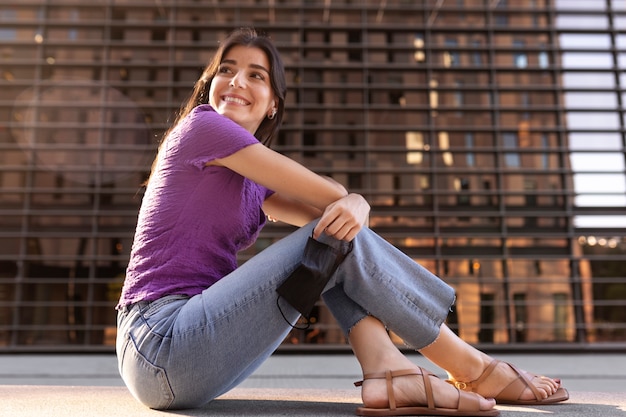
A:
x: 180, y: 352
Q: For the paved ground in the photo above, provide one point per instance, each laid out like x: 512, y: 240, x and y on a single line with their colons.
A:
x: 286, y: 385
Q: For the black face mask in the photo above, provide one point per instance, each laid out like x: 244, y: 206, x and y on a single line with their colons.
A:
x: 304, y: 286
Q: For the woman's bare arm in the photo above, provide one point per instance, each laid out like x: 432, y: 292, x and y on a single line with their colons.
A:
x: 301, y: 191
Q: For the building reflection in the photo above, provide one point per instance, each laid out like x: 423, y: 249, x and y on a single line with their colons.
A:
x: 451, y: 117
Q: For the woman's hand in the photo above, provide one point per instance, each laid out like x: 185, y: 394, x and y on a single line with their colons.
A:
x: 344, y: 218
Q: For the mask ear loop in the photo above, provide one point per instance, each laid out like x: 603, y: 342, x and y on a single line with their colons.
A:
x: 308, y: 321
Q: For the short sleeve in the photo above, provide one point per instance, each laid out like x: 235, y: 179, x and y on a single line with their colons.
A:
x: 205, y: 135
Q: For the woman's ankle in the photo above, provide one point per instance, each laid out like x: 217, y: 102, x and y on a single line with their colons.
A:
x: 471, y: 369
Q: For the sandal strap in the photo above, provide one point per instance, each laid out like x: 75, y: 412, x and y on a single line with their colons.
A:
x: 473, y: 385
x: 512, y: 391
x: 389, y: 375
x: 393, y: 374
x: 428, y: 389
x: 467, y: 402
x: 517, y: 387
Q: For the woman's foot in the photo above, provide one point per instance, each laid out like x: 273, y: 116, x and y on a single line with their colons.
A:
x: 409, y: 391
x: 508, y: 384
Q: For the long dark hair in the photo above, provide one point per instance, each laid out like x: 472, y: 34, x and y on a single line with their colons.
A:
x: 200, y: 95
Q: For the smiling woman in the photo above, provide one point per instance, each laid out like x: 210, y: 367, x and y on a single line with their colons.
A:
x: 265, y: 63
x: 192, y: 323
x: 241, y: 89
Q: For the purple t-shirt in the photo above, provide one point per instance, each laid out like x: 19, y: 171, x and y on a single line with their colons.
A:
x: 194, y: 218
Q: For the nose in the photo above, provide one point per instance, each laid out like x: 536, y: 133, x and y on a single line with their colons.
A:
x: 236, y: 82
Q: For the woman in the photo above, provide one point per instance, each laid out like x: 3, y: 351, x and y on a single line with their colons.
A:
x: 192, y: 325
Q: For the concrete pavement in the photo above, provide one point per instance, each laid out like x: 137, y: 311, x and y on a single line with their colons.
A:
x: 286, y: 385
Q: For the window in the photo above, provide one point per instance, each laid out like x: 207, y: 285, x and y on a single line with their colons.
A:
x: 354, y: 39
x: 477, y: 58
x: 511, y: 159
x: 159, y: 33
x: 469, y: 144
x: 525, y: 102
x: 543, y: 58
x: 355, y: 181
x: 520, y: 60
x: 545, y: 156
x: 418, y: 44
x: 487, y: 318
x: 521, y: 319
x: 500, y: 17
x: 451, y: 58
x: 433, y: 96
x: 414, y: 147
x: 444, y: 145
x: 7, y: 15
x: 458, y: 98
x: 458, y: 94
x: 72, y: 34
x: 560, y: 316
x: 309, y: 141
x: 462, y: 186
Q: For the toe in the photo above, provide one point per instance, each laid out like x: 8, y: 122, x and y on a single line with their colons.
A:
x: 487, y: 404
x: 547, y: 386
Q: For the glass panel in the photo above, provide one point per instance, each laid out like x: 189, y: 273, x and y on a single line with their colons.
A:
x: 619, y: 21
x: 577, y: 22
x: 586, y: 41
x: 578, y: 5
x: 589, y: 79
x: 587, y: 60
x: 598, y: 120
x: 577, y: 100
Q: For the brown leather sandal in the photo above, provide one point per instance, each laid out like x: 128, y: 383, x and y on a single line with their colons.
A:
x: 468, y: 405
x: 511, y: 393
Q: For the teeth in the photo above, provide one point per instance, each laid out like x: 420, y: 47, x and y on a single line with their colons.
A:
x: 235, y: 100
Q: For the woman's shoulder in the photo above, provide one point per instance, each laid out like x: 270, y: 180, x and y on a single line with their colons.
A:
x: 203, y: 108
x: 207, y: 112
x: 206, y: 132
x: 204, y: 117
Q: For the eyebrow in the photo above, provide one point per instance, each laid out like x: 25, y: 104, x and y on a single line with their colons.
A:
x: 256, y: 66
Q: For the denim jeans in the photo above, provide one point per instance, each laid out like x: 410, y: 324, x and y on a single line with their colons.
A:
x: 180, y: 352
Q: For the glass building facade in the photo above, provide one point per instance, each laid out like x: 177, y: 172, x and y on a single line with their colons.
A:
x: 488, y: 135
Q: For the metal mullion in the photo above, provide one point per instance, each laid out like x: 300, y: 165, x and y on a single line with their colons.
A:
x: 620, y: 101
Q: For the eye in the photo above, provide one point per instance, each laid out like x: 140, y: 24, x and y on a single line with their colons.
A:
x: 223, y: 69
x: 258, y: 76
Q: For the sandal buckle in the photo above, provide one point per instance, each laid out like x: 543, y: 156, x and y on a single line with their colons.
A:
x: 460, y: 385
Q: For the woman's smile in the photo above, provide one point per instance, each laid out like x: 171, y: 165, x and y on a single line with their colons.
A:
x: 241, y: 89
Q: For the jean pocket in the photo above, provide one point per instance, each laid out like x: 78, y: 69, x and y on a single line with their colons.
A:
x: 147, y: 382
x: 156, y: 306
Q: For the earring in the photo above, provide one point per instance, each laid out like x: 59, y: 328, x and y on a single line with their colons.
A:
x: 271, y: 116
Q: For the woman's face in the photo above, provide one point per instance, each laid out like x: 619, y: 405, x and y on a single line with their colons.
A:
x: 241, y: 89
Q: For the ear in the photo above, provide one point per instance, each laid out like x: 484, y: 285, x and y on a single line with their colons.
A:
x: 273, y: 108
